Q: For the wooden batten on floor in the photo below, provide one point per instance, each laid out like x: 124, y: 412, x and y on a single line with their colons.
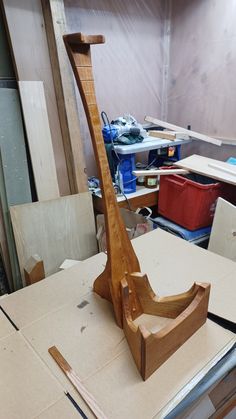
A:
x: 39, y: 139
x: 55, y: 24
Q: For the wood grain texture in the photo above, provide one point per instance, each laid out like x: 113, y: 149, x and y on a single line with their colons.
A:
x: 223, y: 233
x: 55, y: 230
x: 39, y: 139
x: 119, y: 247
x: 55, y: 24
x: 72, y: 376
x: 203, y: 166
x: 121, y: 282
x: 189, y: 311
x: 34, y: 270
x: 26, y: 29
x: 193, y: 134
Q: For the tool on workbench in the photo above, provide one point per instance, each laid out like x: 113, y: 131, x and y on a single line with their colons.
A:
x: 122, y: 282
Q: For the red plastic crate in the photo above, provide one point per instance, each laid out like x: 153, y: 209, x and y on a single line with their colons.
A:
x: 186, y: 202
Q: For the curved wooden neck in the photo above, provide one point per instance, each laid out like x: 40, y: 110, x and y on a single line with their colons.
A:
x: 121, y: 256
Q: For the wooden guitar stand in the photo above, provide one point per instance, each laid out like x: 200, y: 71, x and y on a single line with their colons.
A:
x: 121, y: 282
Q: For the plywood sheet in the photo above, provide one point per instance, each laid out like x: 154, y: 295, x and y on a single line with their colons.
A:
x: 204, y: 166
x: 32, y: 62
x: 223, y: 233
x: 55, y: 230
x: 39, y: 139
x: 26, y: 386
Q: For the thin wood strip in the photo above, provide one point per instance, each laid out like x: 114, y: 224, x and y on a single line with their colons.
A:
x: 74, y: 379
x: 159, y: 172
x: 194, y: 134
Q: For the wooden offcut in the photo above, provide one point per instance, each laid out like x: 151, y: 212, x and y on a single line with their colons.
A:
x: 56, y: 229
x: 72, y: 376
x: 122, y: 282
x: 39, y: 139
x: 34, y: 270
x: 195, y: 135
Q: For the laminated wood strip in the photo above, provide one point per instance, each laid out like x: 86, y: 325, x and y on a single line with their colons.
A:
x: 39, y: 139
x: 74, y: 379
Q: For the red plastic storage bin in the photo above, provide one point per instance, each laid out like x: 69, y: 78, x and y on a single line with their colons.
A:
x: 187, y: 202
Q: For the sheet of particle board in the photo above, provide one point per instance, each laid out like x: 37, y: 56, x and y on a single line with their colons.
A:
x: 27, y: 387
x: 32, y: 62
x: 39, y: 139
x: 223, y: 233
x: 31, y: 303
x: 6, y: 327
x: 203, y: 166
x: 55, y: 230
x: 97, y: 350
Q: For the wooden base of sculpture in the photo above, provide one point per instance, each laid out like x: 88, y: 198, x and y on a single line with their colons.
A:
x: 122, y: 283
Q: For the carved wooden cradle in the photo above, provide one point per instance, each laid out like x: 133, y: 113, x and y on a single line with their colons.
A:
x: 122, y: 283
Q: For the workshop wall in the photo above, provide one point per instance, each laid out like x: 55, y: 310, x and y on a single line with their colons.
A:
x: 128, y: 68
x: 202, y: 66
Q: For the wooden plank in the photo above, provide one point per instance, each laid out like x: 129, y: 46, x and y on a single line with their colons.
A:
x: 195, y: 135
x: 57, y: 229
x: 32, y: 62
x: 55, y: 24
x: 203, y: 166
x: 39, y: 139
x: 223, y: 233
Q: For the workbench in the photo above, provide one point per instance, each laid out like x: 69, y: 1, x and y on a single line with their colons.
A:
x: 142, y: 197
x: 62, y: 310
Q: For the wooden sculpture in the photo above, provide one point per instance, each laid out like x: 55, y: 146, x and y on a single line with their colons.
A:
x: 122, y: 282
